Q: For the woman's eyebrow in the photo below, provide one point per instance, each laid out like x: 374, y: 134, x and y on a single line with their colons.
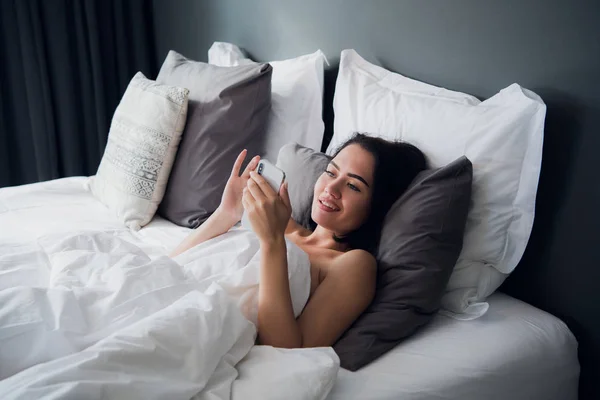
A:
x: 351, y: 175
x: 360, y: 178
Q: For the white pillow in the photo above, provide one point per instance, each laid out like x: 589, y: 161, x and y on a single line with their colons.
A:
x: 296, y: 97
x: 502, y: 137
x: 143, y: 139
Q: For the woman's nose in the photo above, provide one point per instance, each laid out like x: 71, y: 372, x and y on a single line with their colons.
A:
x: 333, y: 191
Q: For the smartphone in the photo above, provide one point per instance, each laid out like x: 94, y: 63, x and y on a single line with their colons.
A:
x: 273, y: 175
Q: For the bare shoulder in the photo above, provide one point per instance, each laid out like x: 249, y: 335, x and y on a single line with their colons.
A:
x: 353, y: 277
x: 358, y: 257
x: 359, y: 264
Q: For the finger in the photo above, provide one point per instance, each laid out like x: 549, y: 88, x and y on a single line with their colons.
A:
x: 263, y: 184
x: 237, y: 165
x: 255, y: 189
x: 247, y: 198
x: 251, y: 166
x: 285, y: 195
x: 248, y: 194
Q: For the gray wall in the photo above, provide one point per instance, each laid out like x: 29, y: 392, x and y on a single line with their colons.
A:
x: 551, y: 47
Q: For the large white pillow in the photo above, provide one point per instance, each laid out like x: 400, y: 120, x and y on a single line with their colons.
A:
x: 502, y: 136
x: 296, y: 97
x: 142, y: 142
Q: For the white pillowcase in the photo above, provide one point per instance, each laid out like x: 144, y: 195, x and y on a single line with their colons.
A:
x: 296, y: 97
x: 502, y: 136
x: 143, y: 139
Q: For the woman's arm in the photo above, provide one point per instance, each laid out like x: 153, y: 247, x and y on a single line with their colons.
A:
x: 218, y: 223
x: 269, y: 213
x: 277, y: 324
x: 338, y: 301
x: 229, y: 211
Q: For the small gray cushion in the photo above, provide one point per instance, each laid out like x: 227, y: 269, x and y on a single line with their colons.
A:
x: 421, y: 239
x: 227, y: 112
x: 302, y: 167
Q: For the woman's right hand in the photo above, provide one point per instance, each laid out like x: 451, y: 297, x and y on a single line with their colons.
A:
x: 231, y: 202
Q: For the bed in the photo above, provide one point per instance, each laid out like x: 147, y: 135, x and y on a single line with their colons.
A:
x: 515, y: 351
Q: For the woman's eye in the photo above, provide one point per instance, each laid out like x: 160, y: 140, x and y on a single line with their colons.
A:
x: 351, y: 186
x: 329, y: 173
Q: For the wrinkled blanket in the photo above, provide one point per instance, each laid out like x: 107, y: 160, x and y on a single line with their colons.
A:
x: 89, y: 315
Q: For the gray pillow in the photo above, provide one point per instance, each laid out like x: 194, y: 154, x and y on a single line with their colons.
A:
x: 302, y: 167
x: 420, y: 242
x: 227, y: 112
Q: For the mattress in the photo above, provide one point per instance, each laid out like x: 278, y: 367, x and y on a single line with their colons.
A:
x: 515, y: 351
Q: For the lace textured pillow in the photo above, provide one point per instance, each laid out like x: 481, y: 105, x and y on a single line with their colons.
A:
x: 144, y: 136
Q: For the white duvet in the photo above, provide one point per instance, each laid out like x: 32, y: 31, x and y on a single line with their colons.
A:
x: 86, y: 313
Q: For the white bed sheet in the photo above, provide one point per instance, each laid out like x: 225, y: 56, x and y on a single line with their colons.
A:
x: 515, y: 351
x: 66, y: 205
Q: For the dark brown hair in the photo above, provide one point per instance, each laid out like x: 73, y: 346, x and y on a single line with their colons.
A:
x: 396, y: 165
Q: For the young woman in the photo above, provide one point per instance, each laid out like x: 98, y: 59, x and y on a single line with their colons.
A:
x: 351, y: 199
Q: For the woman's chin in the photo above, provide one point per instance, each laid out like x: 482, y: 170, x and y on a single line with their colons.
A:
x: 323, y: 219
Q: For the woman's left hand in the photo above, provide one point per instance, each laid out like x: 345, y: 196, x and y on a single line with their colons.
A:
x: 268, y: 211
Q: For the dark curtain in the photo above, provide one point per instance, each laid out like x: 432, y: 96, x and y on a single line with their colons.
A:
x: 64, y: 65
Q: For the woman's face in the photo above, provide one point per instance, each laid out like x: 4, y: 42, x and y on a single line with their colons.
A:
x: 342, y: 194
